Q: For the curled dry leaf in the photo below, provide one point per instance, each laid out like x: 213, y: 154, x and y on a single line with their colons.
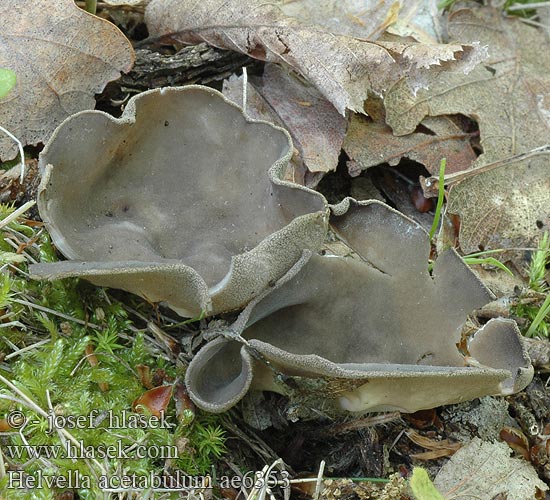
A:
x: 185, y: 409
x: 5, y: 426
x: 344, y: 68
x: 371, y: 143
x: 482, y: 470
x: 155, y: 400
x: 317, y: 129
x: 509, y: 97
x: 144, y: 376
x: 516, y: 440
x: 436, y: 448
x: 62, y: 56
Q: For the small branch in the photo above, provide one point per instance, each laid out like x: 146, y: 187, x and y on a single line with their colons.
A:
x: 430, y: 185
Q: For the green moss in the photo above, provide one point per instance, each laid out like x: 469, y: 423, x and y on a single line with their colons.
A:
x: 76, y: 351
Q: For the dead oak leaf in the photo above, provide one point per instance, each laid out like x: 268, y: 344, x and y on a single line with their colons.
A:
x: 317, y: 129
x: 344, y: 68
x: 62, y: 56
x: 370, y: 143
x: 483, y: 470
x: 509, y: 97
x: 360, y: 18
x: 314, y: 123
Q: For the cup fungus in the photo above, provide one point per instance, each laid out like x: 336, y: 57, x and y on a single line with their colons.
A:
x: 181, y: 200
x: 376, y: 333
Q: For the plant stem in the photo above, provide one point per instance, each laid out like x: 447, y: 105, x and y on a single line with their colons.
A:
x: 91, y: 6
x: 440, y: 198
x: 431, y: 184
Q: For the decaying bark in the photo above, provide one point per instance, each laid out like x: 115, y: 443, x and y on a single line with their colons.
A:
x: 194, y: 64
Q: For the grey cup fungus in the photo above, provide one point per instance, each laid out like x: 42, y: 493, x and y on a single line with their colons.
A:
x: 181, y: 200
x: 184, y: 200
x: 376, y: 333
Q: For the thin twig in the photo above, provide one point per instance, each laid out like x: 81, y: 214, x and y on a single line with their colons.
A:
x: 525, y: 6
x: 431, y: 184
x: 56, y: 313
x: 245, y: 88
x: 319, y: 480
x: 21, y: 152
x: 17, y: 213
x: 28, y: 348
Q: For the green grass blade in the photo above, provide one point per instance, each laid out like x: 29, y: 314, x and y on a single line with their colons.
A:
x: 440, y: 197
x: 487, y: 260
x: 543, y: 312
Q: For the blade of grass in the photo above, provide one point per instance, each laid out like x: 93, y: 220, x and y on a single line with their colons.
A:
x: 543, y: 312
x: 91, y: 6
x: 487, y: 260
x: 440, y: 197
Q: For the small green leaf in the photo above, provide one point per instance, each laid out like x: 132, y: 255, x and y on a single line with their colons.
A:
x: 7, y: 81
x: 422, y: 486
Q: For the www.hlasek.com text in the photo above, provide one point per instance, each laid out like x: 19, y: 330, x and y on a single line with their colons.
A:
x: 82, y: 451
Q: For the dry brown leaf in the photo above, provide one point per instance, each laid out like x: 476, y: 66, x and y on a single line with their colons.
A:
x: 155, y: 400
x: 315, y: 125
x: 482, y: 470
x: 509, y: 96
x: 317, y: 129
x: 420, y: 20
x: 258, y: 109
x: 432, y: 454
x: 342, y: 67
x: 371, y: 143
x: 431, y: 444
x: 437, y: 448
x: 62, y: 56
x: 360, y: 18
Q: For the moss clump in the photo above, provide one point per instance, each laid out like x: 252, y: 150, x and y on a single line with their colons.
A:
x: 70, y: 371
